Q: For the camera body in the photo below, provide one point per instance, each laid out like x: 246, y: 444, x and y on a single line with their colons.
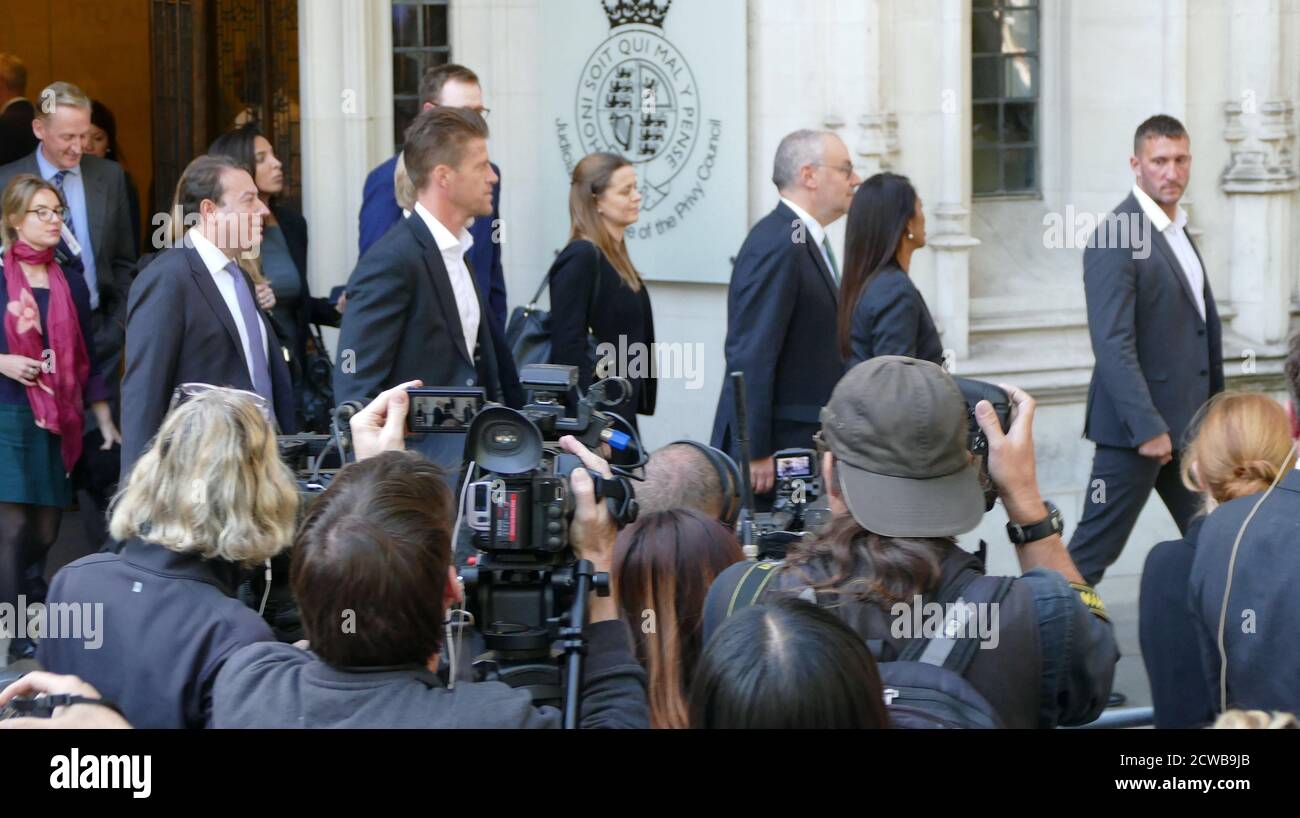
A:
x: 799, y: 505
x: 978, y: 443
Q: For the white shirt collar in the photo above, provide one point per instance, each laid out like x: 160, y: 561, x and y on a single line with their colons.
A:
x: 1159, y: 219
x: 445, y: 239
x: 212, y: 256
x: 814, y: 227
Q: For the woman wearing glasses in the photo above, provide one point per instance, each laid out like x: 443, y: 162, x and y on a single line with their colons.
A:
x: 207, y: 500
x: 48, y: 379
x: 881, y: 312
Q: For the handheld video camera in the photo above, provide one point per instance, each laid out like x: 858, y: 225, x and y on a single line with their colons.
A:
x: 519, y: 505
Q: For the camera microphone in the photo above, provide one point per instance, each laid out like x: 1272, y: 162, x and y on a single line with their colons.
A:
x: 343, y: 414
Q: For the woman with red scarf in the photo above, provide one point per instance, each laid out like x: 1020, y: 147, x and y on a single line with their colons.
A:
x: 46, y: 382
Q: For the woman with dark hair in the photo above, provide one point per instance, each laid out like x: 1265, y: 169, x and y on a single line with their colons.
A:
x: 881, y: 312
x: 280, y: 269
x: 595, y: 288
x: 663, y: 566
x: 101, y: 141
x: 787, y: 665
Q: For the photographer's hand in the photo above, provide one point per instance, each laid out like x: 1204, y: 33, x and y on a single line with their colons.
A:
x: 593, y: 530
x: 381, y: 426
x: 77, y: 716
x: 1015, y: 473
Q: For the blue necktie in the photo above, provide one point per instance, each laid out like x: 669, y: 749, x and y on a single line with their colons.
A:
x: 253, y: 326
x: 58, y: 182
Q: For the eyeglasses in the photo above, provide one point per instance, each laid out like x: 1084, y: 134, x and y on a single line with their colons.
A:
x: 846, y: 168
x: 189, y: 391
x: 47, y: 214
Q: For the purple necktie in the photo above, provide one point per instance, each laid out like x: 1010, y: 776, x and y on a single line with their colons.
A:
x: 253, y: 326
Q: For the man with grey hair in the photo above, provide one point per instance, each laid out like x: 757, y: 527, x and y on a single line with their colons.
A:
x: 16, y: 112
x: 680, y: 475
x: 781, y: 306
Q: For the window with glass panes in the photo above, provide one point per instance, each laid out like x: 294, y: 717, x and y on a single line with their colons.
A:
x: 1005, y: 77
x: 420, y: 42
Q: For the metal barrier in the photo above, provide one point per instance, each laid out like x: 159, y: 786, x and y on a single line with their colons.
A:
x: 1121, y: 717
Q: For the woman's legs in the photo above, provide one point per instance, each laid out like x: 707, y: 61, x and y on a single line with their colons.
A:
x: 26, y: 534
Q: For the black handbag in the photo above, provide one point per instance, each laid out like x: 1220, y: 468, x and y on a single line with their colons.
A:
x: 528, y: 333
x: 317, y: 407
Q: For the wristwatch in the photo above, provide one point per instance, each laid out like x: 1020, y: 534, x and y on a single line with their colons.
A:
x: 1053, y: 523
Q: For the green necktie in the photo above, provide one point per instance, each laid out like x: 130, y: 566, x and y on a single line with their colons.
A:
x: 830, y: 254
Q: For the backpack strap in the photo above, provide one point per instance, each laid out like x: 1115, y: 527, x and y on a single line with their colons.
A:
x: 751, y: 585
x: 965, y: 582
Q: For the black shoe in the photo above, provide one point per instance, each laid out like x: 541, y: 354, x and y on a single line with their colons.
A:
x: 1116, y: 699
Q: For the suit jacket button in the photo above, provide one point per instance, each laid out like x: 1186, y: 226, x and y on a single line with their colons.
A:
x: 1200, y: 332
x: 470, y: 381
x: 1205, y: 372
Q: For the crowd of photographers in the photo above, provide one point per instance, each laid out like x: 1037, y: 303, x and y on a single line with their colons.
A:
x: 683, y: 639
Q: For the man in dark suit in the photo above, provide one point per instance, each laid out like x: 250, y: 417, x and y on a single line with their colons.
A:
x: 453, y: 86
x: 16, y: 112
x: 1260, y: 576
x: 1158, y: 348
x: 192, y: 316
x: 781, y: 306
x: 414, y: 310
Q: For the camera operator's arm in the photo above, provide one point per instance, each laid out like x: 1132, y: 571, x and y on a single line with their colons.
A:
x: 1012, y: 467
x: 381, y: 426
x: 613, y: 681
x: 1078, y: 643
x: 593, y: 531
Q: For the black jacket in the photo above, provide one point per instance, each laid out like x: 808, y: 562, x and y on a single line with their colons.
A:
x: 781, y: 319
x: 1157, y: 361
x: 320, y: 311
x: 891, y: 318
x: 16, y: 136
x: 168, y: 621
x: 1053, y: 664
x: 179, y: 330
x: 279, y: 686
x: 1167, y: 633
x: 401, y: 323
x: 1263, y: 617
x: 617, y: 316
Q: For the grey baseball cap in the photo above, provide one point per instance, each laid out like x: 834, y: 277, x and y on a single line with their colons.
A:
x: 898, y: 429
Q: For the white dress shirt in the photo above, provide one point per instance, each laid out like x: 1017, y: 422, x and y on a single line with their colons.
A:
x: 453, y: 249
x: 815, y: 230
x: 1174, y: 233
x: 216, y: 262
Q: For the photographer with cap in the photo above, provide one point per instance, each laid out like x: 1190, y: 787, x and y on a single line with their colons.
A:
x: 902, y: 485
x: 374, y: 578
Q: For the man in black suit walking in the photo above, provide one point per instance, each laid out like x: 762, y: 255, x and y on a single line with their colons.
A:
x: 16, y: 111
x: 1158, y: 348
x: 781, y: 305
x: 193, y: 317
x: 414, y: 309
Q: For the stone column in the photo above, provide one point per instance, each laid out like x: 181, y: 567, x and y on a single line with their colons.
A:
x: 949, y: 230
x: 1261, y: 175
x: 346, y: 93
x: 878, y: 137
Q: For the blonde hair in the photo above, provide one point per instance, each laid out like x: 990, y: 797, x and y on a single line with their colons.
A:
x: 210, y: 484
x: 1240, y: 443
x: 17, y: 199
x: 403, y: 187
x: 61, y: 93
x: 1255, y: 720
x: 591, y: 177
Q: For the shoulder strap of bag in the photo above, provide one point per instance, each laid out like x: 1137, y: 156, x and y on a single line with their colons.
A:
x: 546, y: 280
x: 966, y: 582
x: 751, y: 585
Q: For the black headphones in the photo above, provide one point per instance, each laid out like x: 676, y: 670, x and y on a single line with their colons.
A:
x: 728, y: 477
